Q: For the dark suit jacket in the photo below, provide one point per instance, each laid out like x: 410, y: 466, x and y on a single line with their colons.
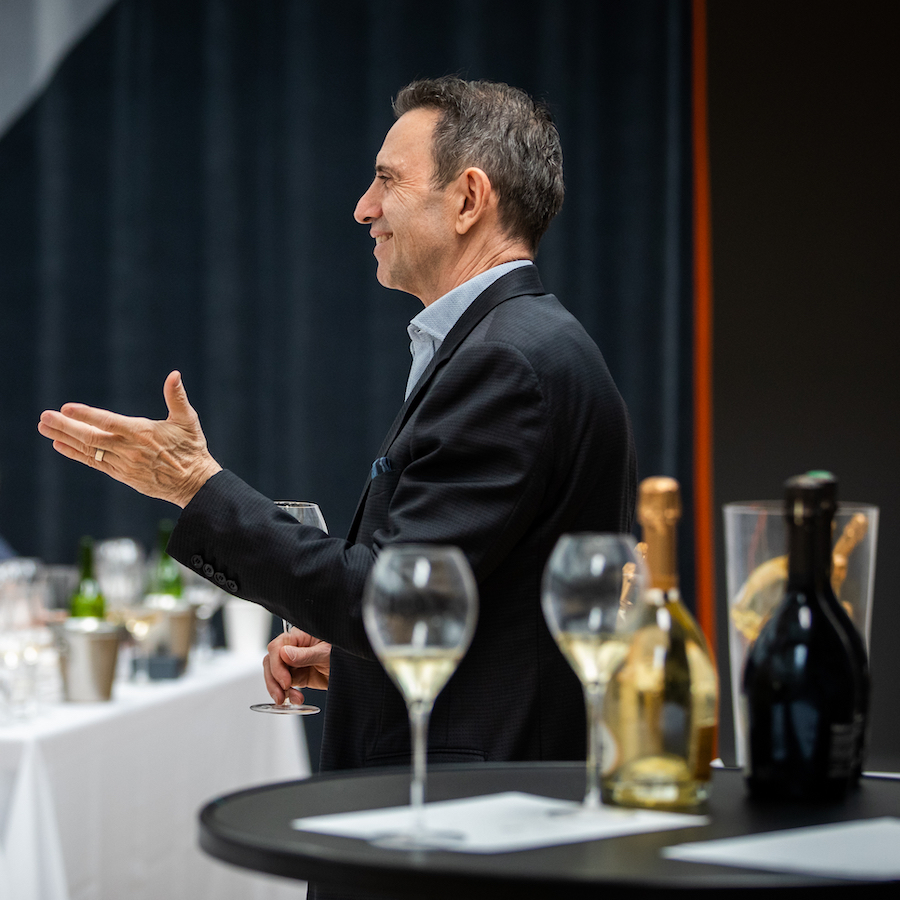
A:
x: 514, y: 435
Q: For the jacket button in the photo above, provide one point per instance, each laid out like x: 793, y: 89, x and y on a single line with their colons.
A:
x: 219, y: 578
x: 231, y: 586
x: 208, y: 570
x: 197, y: 561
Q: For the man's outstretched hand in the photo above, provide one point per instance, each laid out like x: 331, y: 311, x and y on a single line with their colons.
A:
x: 166, y: 459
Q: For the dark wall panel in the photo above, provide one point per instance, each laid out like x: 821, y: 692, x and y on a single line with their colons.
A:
x: 804, y: 149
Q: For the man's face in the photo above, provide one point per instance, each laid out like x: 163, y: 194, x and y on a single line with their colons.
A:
x: 413, y: 223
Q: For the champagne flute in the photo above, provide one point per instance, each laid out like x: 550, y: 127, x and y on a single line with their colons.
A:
x: 206, y: 598
x: 307, y: 514
x: 419, y: 609
x: 591, y: 583
x: 121, y: 571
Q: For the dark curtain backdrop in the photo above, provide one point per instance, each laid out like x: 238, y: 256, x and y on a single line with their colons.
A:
x: 182, y: 196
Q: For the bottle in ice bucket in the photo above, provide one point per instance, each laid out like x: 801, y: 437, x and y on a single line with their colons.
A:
x: 87, y: 599
x: 165, y: 576
x: 662, y: 704
x: 857, y: 645
x: 805, y: 685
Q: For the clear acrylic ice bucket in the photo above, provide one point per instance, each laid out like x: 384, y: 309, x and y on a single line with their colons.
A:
x: 756, y: 569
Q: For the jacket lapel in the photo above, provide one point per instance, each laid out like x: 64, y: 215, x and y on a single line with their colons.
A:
x: 517, y: 283
x: 520, y: 282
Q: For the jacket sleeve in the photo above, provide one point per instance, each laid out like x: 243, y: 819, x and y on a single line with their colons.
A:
x: 468, y: 471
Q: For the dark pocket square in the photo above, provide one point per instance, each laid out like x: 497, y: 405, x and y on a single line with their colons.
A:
x: 381, y: 465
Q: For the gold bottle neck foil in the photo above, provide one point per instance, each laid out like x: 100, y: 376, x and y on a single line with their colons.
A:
x: 658, y: 512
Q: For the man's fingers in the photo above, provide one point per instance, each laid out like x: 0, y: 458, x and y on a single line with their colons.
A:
x: 288, y: 667
x: 47, y: 426
x: 59, y: 427
x: 296, y: 696
x: 274, y: 665
x: 180, y: 410
x: 276, y: 690
x: 71, y: 438
x: 88, y: 457
x: 101, y: 419
x: 296, y: 657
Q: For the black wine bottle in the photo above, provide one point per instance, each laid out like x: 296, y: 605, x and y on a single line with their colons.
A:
x: 801, y: 681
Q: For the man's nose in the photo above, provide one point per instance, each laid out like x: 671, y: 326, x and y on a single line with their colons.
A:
x: 367, y: 209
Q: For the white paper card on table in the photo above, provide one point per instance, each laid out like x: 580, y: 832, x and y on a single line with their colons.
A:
x: 501, y: 823
x: 865, y: 850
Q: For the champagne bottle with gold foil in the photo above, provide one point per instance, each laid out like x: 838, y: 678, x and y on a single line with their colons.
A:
x: 662, y: 704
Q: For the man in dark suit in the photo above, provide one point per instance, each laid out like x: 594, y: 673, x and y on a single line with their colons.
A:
x: 512, y: 433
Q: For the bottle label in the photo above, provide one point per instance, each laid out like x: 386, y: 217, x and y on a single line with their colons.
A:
x: 843, y: 744
x: 859, y: 741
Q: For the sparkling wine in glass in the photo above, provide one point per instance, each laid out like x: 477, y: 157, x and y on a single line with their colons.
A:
x: 420, y: 607
x: 591, y: 592
x: 307, y: 514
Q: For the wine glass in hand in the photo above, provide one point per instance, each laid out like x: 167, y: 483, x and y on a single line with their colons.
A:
x: 420, y: 607
x: 307, y: 514
x: 592, y: 585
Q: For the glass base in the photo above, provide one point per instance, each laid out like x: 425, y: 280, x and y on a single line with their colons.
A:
x: 290, y: 709
x: 583, y: 810
x: 656, y: 782
x: 420, y: 840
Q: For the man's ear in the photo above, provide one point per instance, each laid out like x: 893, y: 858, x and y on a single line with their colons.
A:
x: 476, y: 197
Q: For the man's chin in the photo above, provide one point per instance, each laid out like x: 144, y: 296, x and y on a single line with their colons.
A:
x: 383, y: 276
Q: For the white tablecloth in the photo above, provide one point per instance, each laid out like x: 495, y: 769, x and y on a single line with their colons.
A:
x: 100, y: 801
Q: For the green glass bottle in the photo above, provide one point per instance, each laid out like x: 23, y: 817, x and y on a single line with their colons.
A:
x: 165, y: 575
x: 88, y: 598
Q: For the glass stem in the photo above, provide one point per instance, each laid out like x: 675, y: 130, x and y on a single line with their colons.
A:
x: 419, y: 713
x: 593, y: 697
x: 287, y: 630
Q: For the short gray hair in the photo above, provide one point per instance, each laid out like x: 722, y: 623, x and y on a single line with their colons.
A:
x: 503, y: 131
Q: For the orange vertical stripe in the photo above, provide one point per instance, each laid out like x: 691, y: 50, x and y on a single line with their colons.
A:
x: 704, y: 540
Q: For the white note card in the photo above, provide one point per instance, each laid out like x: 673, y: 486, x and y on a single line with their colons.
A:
x: 500, y: 823
x: 865, y: 850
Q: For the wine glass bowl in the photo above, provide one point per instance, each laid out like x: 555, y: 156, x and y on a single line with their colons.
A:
x: 305, y: 513
x: 206, y: 598
x: 591, y: 590
x: 121, y: 570
x: 143, y: 624
x: 420, y: 608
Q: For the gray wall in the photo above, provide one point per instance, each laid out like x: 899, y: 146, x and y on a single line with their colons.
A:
x: 34, y: 38
x: 804, y: 157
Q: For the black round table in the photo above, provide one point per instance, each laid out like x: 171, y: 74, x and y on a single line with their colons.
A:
x: 252, y: 829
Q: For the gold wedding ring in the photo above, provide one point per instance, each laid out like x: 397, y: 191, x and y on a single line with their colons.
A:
x: 99, y: 455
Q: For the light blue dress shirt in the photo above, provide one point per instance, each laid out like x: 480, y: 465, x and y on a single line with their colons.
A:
x: 430, y: 327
